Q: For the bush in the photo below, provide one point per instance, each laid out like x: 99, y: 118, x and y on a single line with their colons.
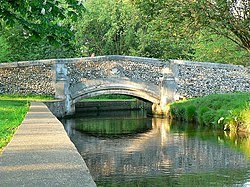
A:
x: 220, y: 111
x: 190, y: 113
x: 200, y: 113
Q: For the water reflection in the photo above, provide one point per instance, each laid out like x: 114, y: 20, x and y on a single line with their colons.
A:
x: 161, y: 154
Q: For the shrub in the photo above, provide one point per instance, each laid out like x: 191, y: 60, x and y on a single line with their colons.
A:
x: 190, y: 113
x: 208, y: 117
x: 221, y: 111
x: 200, y: 113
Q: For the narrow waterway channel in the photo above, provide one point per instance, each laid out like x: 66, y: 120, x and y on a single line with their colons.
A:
x: 128, y: 148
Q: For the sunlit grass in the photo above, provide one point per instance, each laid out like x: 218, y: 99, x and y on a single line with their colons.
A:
x: 13, y: 109
x: 12, y: 114
x: 26, y: 97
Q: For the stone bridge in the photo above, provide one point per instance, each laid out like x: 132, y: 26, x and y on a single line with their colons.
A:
x: 147, y: 79
x: 154, y: 80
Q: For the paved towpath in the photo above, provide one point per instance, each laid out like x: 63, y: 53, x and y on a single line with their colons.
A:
x: 41, y: 154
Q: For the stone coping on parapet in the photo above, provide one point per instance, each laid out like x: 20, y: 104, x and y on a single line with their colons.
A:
x: 208, y: 64
x: 82, y: 59
x: 41, y: 154
x: 119, y: 58
x: 27, y: 63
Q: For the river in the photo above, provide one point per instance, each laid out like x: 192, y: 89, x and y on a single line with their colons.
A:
x: 127, y: 148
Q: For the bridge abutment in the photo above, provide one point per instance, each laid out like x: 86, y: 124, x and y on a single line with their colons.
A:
x: 167, y: 93
x: 62, y: 88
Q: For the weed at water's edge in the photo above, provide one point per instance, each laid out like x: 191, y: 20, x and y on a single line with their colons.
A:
x: 220, y: 111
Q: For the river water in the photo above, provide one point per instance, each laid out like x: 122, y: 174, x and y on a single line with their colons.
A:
x: 127, y: 148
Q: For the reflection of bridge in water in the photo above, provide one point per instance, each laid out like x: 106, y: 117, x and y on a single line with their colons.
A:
x: 156, y: 151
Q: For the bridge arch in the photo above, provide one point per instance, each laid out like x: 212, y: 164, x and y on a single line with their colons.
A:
x: 114, y: 89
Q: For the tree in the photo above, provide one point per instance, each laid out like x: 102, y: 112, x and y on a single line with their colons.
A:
x: 181, y: 25
x: 16, y: 44
x: 165, y: 31
x: 4, y: 49
x: 214, y: 48
x: 41, y: 18
x: 228, y: 18
x: 107, y: 28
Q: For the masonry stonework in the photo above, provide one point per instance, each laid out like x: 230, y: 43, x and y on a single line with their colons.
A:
x: 32, y: 78
x: 196, y: 79
x: 155, y: 80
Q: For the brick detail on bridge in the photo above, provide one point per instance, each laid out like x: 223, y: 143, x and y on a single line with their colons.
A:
x: 158, y: 81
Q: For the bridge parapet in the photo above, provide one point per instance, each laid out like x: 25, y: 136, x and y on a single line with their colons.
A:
x: 157, y: 81
x: 194, y: 79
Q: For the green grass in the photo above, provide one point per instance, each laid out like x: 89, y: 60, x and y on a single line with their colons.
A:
x: 220, y: 111
x: 109, y: 97
x: 25, y: 97
x: 12, y: 112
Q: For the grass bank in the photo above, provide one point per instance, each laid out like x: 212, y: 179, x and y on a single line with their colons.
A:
x: 219, y: 111
x: 109, y: 97
x: 12, y: 112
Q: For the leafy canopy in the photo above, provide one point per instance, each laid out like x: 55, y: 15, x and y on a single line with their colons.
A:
x: 41, y: 18
x: 228, y: 18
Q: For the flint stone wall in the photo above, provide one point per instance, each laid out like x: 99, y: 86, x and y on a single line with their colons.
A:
x: 195, y: 79
x: 34, y: 77
x: 192, y: 79
x: 115, y: 66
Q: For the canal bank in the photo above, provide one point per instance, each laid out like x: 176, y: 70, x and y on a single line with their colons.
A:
x: 41, y: 154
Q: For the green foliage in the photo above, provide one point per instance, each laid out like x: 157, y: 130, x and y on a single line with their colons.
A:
x: 165, y: 30
x: 38, y: 29
x: 25, y: 97
x: 4, y: 49
x: 106, y: 28
x: 42, y: 18
x: 226, y: 18
x: 32, y: 49
x: 201, y: 111
x: 194, y: 30
x: 222, y: 111
x: 190, y: 113
x: 210, y: 47
x: 110, y: 97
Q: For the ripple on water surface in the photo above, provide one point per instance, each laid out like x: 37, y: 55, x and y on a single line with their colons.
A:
x: 154, y: 153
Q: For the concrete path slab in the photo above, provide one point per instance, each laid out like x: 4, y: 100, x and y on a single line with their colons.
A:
x: 41, y: 154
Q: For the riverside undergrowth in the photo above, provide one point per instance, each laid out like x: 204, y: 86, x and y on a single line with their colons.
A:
x: 220, y: 111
